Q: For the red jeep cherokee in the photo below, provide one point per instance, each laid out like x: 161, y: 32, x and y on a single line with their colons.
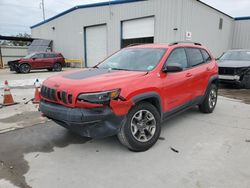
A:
x: 39, y: 60
x: 132, y: 92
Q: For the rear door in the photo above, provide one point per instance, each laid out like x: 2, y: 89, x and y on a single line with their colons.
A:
x: 48, y: 60
x: 177, y: 88
x: 198, y: 69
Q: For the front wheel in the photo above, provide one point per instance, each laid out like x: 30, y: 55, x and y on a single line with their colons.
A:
x: 24, y: 68
x: 210, y: 101
x: 142, y: 128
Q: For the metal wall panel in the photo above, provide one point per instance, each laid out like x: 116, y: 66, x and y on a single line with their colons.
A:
x: 241, y: 37
x: 183, y: 15
x: 10, y: 53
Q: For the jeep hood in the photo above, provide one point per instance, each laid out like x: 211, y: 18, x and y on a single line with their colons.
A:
x: 92, y: 80
x: 234, y: 64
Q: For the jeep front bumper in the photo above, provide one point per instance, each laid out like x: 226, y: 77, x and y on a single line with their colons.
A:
x: 93, y: 122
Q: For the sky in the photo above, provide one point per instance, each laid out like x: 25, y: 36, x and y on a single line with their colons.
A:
x: 16, y: 16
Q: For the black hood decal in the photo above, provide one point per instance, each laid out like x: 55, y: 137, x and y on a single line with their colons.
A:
x: 87, y: 74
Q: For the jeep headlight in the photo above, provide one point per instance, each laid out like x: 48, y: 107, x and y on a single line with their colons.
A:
x: 99, y: 97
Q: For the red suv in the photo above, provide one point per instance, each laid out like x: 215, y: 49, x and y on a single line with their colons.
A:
x: 39, y: 60
x: 132, y: 92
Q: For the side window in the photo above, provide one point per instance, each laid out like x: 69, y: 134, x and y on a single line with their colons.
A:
x: 206, y: 56
x: 195, y: 56
x: 178, y: 56
x: 39, y: 56
x: 49, y: 55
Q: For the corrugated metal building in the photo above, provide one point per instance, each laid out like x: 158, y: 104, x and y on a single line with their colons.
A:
x: 241, y: 37
x: 91, y: 32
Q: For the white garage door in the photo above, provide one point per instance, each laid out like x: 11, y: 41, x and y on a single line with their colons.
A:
x: 138, y: 28
x: 96, y: 44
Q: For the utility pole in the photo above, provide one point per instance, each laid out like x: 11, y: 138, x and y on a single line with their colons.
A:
x: 42, y: 4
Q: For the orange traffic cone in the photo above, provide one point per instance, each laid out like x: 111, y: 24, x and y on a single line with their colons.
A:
x: 7, y: 97
x: 37, y: 96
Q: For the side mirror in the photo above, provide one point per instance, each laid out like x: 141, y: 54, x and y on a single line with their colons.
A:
x: 175, y: 67
x: 33, y: 58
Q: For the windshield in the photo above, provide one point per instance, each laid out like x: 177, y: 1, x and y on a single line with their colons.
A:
x: 134, y: 59
x: 236, y: 56
x: 29, y: 56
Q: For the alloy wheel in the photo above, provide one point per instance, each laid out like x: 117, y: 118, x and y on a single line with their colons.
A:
x: 212, y: 98
x: 143, y: 125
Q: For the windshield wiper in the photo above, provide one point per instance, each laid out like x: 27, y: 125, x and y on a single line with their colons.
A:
x: 120, y: 69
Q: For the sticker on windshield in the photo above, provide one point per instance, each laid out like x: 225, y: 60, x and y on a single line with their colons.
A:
x: 150, y: 67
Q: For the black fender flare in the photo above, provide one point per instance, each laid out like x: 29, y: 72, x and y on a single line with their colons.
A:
x: 150, y: 95
x: 213, y: 80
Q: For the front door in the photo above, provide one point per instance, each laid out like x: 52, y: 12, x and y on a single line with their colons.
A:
x: 177, y: 88
x: 37, y: 61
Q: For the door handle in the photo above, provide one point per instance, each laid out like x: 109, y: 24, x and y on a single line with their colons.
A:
x: 189, y: 75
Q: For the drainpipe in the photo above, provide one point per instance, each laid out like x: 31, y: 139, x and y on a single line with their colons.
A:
x: 1, y: 59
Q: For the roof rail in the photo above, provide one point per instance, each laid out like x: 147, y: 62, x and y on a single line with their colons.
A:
x: 184, y: 42
x: 134, y: 44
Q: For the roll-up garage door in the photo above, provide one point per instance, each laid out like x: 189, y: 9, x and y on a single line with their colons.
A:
x: 95, y: 44
x: 138, y: 31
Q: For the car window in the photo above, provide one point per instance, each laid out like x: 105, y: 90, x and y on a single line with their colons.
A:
x: 49, y: 55
x: 178, y: 56
x: 38, y: 56
x: 206, y: 56
x: 134, y: 59
x: 195, y: 56
x: 236, y: 56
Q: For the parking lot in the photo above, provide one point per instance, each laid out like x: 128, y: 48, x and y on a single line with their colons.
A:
x: 194, y: 150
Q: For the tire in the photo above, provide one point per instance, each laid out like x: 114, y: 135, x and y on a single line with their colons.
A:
x: 17, y: 71
x: 24, y: 68
x: 210, y: 101
x: 136, y: 140
x: 57, y: 67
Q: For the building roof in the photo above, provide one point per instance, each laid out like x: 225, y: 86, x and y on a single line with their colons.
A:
x: 107, y: 3
x: 242, y: 18
x: 116, y: 2
x: 214, y: 8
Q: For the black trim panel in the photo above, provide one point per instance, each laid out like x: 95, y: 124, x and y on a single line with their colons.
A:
x: 183, y: 108
x: 149, y: 95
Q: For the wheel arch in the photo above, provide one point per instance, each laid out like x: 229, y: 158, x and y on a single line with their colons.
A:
x: 151, y: 97
x: 26, y: 62
x: 213, y: 80
x: 57, y: 62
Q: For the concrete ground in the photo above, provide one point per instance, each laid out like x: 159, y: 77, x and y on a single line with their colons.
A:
x: 195, y: 150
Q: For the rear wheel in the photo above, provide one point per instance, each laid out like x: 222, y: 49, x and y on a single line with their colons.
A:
x: 142, y: 128
x: 210, y: 100
x: 57, y: 67
x: 24, y: 68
